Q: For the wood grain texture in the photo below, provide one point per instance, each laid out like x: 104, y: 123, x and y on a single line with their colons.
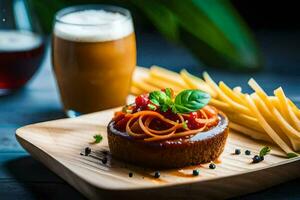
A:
x: 58, y: 144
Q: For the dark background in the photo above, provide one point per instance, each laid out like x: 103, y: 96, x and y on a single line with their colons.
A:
x: 271, y: 15
x: 276, y: 27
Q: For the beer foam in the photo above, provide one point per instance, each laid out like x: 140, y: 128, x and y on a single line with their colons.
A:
x: 93, y: 26
x: 11, y: 40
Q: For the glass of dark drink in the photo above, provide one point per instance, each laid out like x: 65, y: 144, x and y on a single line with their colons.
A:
x: 21, y: 45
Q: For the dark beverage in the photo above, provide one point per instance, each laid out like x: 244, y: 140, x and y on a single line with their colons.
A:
x: 21, y: 53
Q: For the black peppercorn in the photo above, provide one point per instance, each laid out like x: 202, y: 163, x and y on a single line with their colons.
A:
x: 157, y: 174
x: 105, y: 152
x: 237, y: 151
x: 256, y: 159
x: 212, y: 166
x: 195, y: 172
x: 87, y: 151
x: 130, y: 174
x: 248, y: 152
x: 104, y: 160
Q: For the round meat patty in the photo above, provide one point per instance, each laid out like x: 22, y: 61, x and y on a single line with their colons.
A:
x: 201, y: 148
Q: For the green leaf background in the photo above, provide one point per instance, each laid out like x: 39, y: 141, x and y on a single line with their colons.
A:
x: 211, y: 29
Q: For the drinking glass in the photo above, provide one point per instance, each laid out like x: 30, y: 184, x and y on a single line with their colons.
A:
x: 21, y: 45
x: 93, y: 56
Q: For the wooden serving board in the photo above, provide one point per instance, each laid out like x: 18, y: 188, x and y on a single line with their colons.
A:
x: 58, y: 145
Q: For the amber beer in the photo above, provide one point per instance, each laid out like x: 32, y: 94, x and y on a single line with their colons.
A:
x: 94, y: 56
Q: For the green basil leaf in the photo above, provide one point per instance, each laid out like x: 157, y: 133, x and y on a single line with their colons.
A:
x: 98, y: 138
x: 154, y: 101
x: 173, y: 108
x: 191, y: 100
x: 161, y: 99
x: 264, y: 151
x: 292, y: 155
x: 164, y: 107
x: 158, y: 97
x: 168, y: 92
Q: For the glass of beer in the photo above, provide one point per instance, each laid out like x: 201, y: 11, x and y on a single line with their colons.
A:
x: 93, y: 56
x: 21, y: 45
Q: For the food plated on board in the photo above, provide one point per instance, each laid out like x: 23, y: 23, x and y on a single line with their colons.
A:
x: 84, y: 148
x: 271, y: 118
x: 164, y: 130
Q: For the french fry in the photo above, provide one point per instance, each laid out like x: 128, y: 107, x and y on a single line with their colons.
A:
x: 247, y: 121
x: 278, y: 121
x: 293, y: 105
x: 136, y: 91
x: 142, y: 85
x: 262, y: 107
x: 268, y: 115
x: 220, y: 105
x: 160, y: 83
x: 275, y: 102
x: 295, y: 108
x: 189, y: 75
x: 250, y: 132
x: 231, y: 94
x: 224, y: 97
x: 261, y: 93
x: 237, y: 89
x: 288, y: 130
x: 140, y: 73
x: 286, y: 109
x: 196, y: 83
x: 267, y: 127
x: 168, y: 76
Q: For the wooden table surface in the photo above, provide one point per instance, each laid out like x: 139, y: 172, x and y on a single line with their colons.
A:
x: 21, y: 177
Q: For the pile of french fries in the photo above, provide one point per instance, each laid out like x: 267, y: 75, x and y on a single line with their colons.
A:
x: 274, y: 119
